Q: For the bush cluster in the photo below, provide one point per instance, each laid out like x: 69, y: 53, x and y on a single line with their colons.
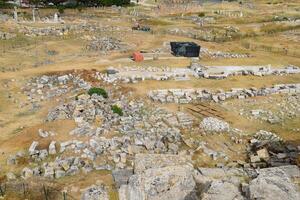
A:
x: 117, y: 109
x: 98, y: 91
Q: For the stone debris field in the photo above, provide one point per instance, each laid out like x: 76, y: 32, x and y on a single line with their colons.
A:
x: 98, y: 103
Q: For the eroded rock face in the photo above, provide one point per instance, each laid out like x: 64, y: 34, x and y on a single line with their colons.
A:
x: 172, y: 182
x: 273, y: 183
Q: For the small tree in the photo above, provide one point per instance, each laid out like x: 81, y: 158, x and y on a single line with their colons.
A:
x: 116, y: 109
x: 98, y: 91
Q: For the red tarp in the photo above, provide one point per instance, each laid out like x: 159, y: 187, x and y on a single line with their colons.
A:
x: 137, y: 57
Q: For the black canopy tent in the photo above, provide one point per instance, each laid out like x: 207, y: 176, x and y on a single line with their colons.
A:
x: 186, y: 49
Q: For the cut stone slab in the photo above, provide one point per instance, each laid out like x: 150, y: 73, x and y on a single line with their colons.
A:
x: 148, y: 161
x: 32, y: 148
x: 121, y: 176
x: 263, y: 154
x: 273, y: 183
x: 222, y: 190
x: 172, y: 182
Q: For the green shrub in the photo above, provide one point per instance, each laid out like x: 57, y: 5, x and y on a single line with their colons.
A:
x: 117, y: 109
x: 98, y: 91
x: 201, y: 14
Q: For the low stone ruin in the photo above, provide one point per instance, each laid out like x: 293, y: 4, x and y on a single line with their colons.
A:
x: 222, y: 72
x: 47, y: 87
x: 183, y: 96
x: 135, y: 74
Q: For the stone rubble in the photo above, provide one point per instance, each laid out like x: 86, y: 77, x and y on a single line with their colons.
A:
x: 211, y: 124
x: 145, y: 153
x: 48, y: 87
x: 106, y: 44
x: 285, y: 108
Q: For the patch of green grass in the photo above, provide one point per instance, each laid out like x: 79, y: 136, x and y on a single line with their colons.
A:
x: 98, y: 91
x: 117, y: 109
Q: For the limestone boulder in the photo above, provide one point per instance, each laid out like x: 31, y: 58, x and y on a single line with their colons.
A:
x: 273, y: 183
x: 172, y: 182
x: 222, y: 190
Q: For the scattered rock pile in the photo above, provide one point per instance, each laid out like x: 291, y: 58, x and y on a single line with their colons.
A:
x: 283, y: 108
x: 106, y: 44
x: 214, y: 125
x: 47, y: 87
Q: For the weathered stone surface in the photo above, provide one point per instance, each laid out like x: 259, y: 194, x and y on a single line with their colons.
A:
x: 148, y: 161
x: 222, y: 190
x: 273, y: 183
x: 172, y: 182
x: 121, y: 176
x: 52, y: 148
x: 32, y: 148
